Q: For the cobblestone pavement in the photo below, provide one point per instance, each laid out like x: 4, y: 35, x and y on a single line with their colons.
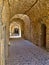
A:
x: 23, y: 52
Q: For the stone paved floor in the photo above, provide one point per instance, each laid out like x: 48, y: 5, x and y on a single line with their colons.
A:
x: 23, y: 52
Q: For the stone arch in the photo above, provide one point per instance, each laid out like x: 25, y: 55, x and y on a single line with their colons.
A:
x: 27, y: 21
x: 21, y: 23
x: 13, y: 26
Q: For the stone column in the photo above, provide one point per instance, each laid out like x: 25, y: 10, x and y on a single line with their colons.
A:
x: 5, y: 20
x: 2, y: 57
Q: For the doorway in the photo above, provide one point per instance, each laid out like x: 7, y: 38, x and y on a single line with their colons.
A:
x: 15, y: 30
x: 43, y: 36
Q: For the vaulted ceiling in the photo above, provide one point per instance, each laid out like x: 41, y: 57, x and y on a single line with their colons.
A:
x: 21, y: 6
x: 33, y: 8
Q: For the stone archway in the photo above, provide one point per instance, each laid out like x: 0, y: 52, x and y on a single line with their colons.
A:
x: 15, y: 30
x: 26, y: 20
x: 21, y: 25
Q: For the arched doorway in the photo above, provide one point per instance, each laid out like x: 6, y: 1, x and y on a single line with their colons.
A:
x: 15, y: 30
x: 26, y: 20
x: 43, y: 35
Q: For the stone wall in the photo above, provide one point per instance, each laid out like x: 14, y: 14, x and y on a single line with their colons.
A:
x: 37, y: 13
x: 2, y: 57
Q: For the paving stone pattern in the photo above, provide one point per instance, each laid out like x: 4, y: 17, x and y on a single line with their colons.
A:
x: 23, y: 52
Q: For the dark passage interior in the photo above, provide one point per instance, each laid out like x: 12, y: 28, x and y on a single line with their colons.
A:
x: 16, y: 31
x: 43, y: 28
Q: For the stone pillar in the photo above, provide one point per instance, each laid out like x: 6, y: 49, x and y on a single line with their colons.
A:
x: 5, y: 20
x: 2, y: 57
